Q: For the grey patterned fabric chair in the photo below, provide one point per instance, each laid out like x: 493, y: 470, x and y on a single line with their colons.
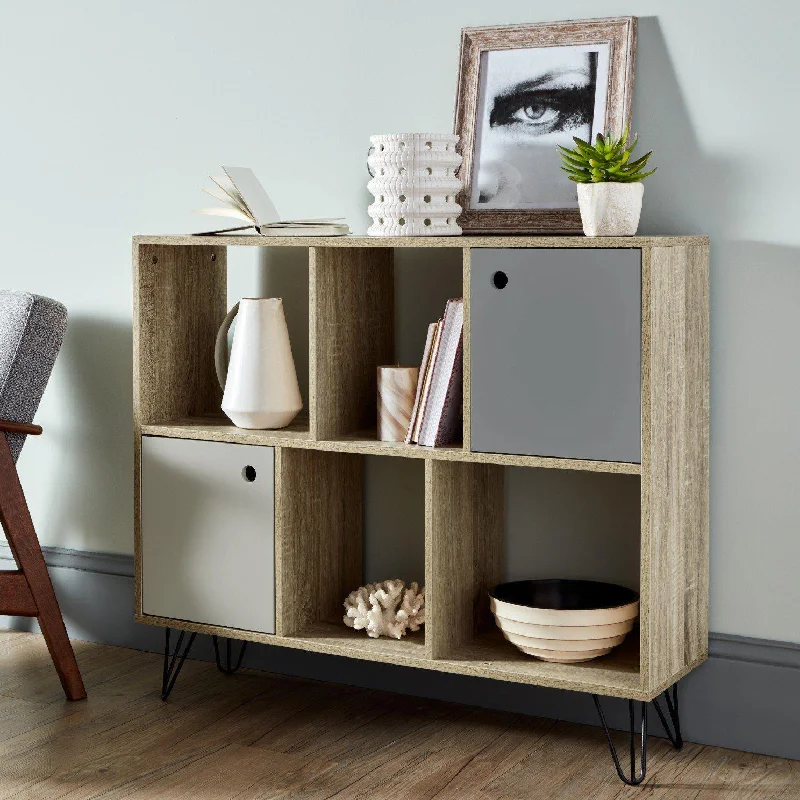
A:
x: 31, y: 332
x: 32, y: 329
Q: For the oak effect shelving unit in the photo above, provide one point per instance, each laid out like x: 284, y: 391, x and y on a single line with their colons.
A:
x: 179, y: 302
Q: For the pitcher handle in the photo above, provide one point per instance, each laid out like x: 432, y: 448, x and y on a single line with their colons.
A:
x: 221, y: 347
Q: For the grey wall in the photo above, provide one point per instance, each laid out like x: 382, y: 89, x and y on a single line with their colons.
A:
x: 113, y: 113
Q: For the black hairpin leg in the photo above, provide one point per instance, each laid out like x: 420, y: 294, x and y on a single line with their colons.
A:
x: 634, y: 779
x: 173, y: 665
x: 674, y: 735
x: 229, y: 668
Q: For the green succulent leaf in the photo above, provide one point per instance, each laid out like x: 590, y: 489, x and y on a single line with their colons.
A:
x: 584, y: 147
x: 640, y: 162
x: 607, y: 160
x: 576, y: 162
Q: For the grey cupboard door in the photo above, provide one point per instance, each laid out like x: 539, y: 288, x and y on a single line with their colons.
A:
x: 208, y: 532
x: 555, y: 352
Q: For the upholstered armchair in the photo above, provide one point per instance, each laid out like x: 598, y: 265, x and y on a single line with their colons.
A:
x: 31, y: 332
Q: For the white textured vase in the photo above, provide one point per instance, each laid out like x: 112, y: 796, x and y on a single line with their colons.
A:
x: 414, y: 184
x: 260, y: 382
x: 610, y: 209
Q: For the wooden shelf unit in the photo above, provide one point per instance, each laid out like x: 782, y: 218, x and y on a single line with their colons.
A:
x: 179, y: 301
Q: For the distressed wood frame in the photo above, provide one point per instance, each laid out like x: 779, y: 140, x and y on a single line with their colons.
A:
x: 618, y: 32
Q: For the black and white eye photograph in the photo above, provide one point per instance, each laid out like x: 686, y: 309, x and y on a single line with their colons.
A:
x: 529, y: 101
x: 523, y: 90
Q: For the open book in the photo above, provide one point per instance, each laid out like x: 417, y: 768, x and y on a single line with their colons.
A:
x: 243, y: 197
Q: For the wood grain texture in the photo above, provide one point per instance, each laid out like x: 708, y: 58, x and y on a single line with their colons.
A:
x: 351, y: 298
x: 259, y: 736
x: 318, y: 536
x: 366, y: 443
x: 15, y: 595
x: 675, y: 478
x: 180, y: 297
x: 25, y: 428
x: 423, y: 241
x: 646, y: 462
x: 218, y: 428
x: 179, y: 302
x: 463, y: 551
x: 620, y: 35
x: 487, y: 656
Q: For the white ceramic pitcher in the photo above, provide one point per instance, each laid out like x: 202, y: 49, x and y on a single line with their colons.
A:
x: 260, y: 382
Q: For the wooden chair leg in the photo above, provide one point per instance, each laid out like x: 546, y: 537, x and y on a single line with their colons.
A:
x: 24, y: 544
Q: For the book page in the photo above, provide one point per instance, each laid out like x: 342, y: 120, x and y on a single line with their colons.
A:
x: 426, y: 389
x: 423, y: 371
x: 227, y: 211
x: 253, y: 194
x: 225, y: 198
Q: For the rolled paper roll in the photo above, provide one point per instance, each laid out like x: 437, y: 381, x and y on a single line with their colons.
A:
x: 397, y: 388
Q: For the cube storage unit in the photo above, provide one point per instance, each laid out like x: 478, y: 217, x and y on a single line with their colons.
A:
x: 579, y: 354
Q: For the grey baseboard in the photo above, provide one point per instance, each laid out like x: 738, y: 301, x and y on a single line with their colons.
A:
x: 746, y: 696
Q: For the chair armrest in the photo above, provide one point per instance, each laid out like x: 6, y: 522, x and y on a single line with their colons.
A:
x: 19, y: 427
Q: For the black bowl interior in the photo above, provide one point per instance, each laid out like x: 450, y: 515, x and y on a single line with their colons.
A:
x: 564, y: 595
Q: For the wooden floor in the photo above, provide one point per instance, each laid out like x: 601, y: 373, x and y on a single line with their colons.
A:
x: 262, y: 737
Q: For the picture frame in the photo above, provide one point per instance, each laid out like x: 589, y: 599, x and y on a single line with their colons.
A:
x: 523, y: 90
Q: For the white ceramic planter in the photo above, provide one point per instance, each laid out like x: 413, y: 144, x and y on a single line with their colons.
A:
x: 261, y: 390
x: 414, y: 184
x: 610, y: 209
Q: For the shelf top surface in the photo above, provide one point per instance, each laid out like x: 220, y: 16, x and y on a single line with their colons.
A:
x: 460, y: 242
x: 298, y: 435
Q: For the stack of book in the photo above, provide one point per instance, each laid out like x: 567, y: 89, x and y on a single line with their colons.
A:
x: 437, y: 416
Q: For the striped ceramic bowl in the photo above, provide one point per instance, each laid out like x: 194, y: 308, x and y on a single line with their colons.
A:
x: 564, y: 620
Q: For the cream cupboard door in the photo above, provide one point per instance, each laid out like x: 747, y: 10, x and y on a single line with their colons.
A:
x: 208, y: 532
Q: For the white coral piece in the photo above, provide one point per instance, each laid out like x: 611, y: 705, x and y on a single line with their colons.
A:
x: 386, y: 609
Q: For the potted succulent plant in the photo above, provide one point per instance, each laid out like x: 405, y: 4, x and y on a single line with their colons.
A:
x: 609, y: 184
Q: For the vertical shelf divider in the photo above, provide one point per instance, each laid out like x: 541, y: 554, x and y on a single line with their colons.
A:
x: 463, y: 551
x: 318, y: 535
x: 675, y: 463
x: 351, y: 306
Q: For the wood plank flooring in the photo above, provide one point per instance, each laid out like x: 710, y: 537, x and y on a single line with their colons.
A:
x: 257, y: 736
